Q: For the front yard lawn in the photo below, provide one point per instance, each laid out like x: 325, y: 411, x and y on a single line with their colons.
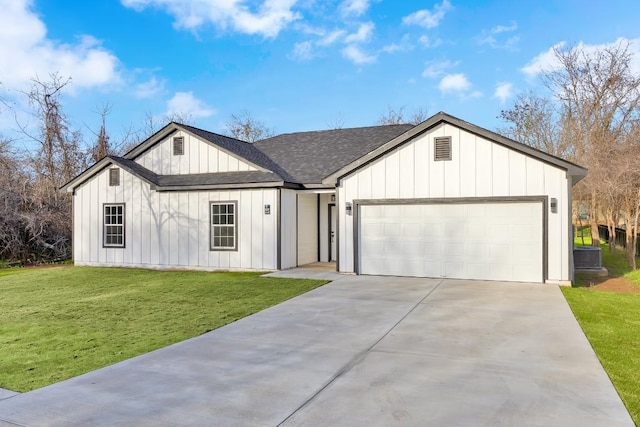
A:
x: 56, y: 323
x: 611, y: 322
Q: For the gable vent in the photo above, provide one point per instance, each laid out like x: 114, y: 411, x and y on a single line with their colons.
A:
x: 114, y: 177
x: 178, y: 145
x: 442, y: 148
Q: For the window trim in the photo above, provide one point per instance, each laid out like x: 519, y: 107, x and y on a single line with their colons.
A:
x: 235, y: 226
x: 180, y: 140
x: 114, y: 182
x: 442, y: 140
x: 123, y: 225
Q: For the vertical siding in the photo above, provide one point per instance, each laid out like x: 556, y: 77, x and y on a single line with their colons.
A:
x: 325, y: 200
x: 307, y: 228
x: 199, y: 157
x: 172, y: 229
x: 288, y: 228
x: 479, y: 168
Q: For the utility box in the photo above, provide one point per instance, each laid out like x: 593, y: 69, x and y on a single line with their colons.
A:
x: 587, y: 257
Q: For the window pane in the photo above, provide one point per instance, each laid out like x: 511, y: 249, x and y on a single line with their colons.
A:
x: 230, y: 208
x: 230, y: 219
x: 223, y: 209
x: 215, y: 209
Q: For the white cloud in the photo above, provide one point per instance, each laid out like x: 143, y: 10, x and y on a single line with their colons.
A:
x: 149, y: 88
x: 457, y: 83
x: 354, y: 7
x: 547, y: 60
x: 364, y: 33
x: 186, y: 105
x: 427, y: 42
x: 437, y: 68
x: 404, y: 45
x: 302, y: 51
x: 268, y: 20
x: 356, y: 55
x: 27, y: 52
x: 495, y: 37
x: 331, y: 38
x: 504, y: 28
x: 503, y: 91
x: 427, y: 18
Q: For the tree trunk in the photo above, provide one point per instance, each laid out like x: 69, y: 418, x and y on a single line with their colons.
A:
x: 593, y: 222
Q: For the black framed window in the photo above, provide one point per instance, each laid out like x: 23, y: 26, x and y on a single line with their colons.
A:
x: 113, y: 234
x: 224, y: 227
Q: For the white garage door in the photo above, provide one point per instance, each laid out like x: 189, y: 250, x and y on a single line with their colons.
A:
x: 486, y: 241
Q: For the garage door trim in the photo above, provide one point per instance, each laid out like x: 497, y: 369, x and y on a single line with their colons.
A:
x: 543, y: 200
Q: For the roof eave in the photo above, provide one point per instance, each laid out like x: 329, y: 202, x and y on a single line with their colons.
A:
x: 234, y: 186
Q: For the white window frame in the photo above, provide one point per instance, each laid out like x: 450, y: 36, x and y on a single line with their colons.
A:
x: 221, y: 222
x: 113, y: 224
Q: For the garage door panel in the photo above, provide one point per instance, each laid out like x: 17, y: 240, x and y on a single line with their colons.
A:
x: 488, y: 241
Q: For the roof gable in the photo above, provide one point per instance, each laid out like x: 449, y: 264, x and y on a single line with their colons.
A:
x: 574, y: 171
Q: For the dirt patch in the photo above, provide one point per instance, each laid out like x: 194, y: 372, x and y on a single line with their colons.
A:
x: 612, y: 284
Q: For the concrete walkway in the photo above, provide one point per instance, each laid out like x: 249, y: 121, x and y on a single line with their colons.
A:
x: 360, y: 351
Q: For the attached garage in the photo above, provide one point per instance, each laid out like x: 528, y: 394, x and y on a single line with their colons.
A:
x: 451, y: 199
x: 500, y: 239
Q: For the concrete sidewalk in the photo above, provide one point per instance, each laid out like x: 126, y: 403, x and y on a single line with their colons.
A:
x: 360, y: 351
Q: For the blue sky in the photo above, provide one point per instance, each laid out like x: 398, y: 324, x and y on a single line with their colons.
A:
x: 293, y: 64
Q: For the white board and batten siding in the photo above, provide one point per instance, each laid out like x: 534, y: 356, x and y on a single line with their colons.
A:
x: 480, y: 168
x: 172, y: 229
x: 199, y: 157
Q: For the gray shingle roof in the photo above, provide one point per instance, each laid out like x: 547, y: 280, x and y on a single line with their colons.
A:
x: 204, y: 179
x: 241, y: 149
x: 308, y: 157
x: 165, y: 182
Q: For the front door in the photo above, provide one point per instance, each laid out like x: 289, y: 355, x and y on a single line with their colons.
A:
x: 332, y: 232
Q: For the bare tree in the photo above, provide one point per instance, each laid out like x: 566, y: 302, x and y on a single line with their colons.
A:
x: 245, y: 127
x: 58, y: 159
x: 591, y: 119
x: 535, y: 121
x: 397, y: 116
x: 102, y: 147
x: 599, y: 95
x: 337, y: 122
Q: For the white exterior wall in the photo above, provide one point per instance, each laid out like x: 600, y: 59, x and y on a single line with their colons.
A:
x: 172, y: 229
x: 288, y: 229
x: 199, y: 157
x: 325, y: 200
x: 307, y: 228
x: 479, y: 168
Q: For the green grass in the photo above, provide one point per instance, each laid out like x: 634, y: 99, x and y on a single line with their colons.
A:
x: 611, y: 322
x: 582, y: 236
x: 56, y: 323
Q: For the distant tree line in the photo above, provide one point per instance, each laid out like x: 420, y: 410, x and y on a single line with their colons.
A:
x: 590, y: 115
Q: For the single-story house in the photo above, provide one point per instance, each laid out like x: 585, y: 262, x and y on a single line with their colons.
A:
x: 445, y: 198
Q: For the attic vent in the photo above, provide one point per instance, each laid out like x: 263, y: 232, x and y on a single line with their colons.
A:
x: 114, y: 177
x: 178, y: 145
x: 442, y: 148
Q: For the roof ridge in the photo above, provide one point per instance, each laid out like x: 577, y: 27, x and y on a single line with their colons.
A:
x: 338, y: 130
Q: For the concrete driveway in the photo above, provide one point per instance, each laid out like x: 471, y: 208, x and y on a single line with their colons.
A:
x: 361, y: 351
